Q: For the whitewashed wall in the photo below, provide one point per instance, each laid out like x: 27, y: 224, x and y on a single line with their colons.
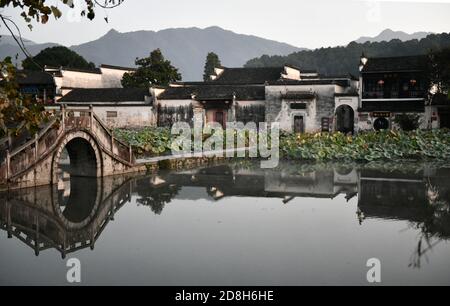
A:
x: 76, y: 79
x: 111, y: 78
x: 127, y: 117
x: 278, y: 110
x: 132, y: 116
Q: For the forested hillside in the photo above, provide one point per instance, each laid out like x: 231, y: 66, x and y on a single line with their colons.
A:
x: 342, y: 60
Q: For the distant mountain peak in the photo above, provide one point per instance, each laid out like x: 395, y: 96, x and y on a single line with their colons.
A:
x: 214, y: 28
x: 112, y: 32
x: 389, y: 34
x: 185, y: 47
x: 387, y: 31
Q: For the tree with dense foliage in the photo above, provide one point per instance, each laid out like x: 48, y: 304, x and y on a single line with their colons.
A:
x: 18, y: 112
x: 439, y: 70
x: 212, y: 61
x: 39, y: 11
x: 407, y: 122
x: 57, y: 57
x: 152, y: 70
x: 343, y: 60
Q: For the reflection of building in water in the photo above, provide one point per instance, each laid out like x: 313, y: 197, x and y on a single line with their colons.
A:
x: 284, y: 183
x: 71, y: 217
x: 421, y: 197
x: 45, y: 218
x: 393, y: 195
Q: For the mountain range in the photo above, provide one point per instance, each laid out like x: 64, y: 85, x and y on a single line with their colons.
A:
x: 186, y: 48
x: 388, y: 35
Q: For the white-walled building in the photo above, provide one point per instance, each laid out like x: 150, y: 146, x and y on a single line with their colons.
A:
x: 117, y: 107
x: 300, y: 100
x: 106, y: 76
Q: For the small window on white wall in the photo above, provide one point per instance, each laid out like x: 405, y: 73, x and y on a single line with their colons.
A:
x: 111, y: 114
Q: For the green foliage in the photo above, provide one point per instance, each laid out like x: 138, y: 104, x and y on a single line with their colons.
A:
x: 342, y: 60
x: 39, y: 11
x: 212, y: 61
x: 367, y: 146
x: 439, y: 70
x: 17, y: 113
x: 151, y: 141
x: 57, y: 57
x: 407, y: 122
x: 153, y: 70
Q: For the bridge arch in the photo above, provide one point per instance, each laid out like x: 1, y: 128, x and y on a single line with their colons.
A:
x: 84, y: 154
x: 77, y: 209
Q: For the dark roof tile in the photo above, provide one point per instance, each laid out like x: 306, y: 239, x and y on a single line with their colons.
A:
x: 29, y: 77
x: 118, y: 67
x: 89, y: 95
x: 249, y: 75
x: 214, y: 92
x: 399, y: 63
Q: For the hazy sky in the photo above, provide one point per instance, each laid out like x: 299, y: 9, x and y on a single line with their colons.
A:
x: 301, y: 23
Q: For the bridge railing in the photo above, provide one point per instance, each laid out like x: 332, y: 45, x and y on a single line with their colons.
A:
x: 117, y: 147
x: 86, y: 118
x: 20, y: 158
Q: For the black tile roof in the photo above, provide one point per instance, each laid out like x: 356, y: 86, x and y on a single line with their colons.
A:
x: 117, y: 67
x: 214, y: 92
x: 249, y: 75
x: 93, y: 71
x: 28, y: 77
x: 392, y: 64
x: 339, y: 76
x: 89, y: 95
x: 341, y: 82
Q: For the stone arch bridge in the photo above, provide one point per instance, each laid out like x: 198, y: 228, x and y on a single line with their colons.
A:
x: 92, y: 148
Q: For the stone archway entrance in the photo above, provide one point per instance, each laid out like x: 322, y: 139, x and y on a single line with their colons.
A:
x: 345, y: 119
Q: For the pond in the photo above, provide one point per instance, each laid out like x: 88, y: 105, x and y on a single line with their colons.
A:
x: 234, y: 224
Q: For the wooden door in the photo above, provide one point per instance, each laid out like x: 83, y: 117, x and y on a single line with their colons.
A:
x: 299, y: 126
x: 219, y: 118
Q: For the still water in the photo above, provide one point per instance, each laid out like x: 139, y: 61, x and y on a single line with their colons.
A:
x: 233, y: 224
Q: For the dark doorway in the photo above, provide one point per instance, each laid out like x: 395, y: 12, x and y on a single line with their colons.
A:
x: 345, y: 119
x: 219, y: 118
x: 381, y: 124
x: 299, y: 125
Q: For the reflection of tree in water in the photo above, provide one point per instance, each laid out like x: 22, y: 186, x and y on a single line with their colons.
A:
x: 155, y: 197
x: 435, y: 226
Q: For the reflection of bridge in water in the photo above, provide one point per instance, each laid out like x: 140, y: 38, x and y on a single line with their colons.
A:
x: 71, y: 217
x: 48, y: 217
